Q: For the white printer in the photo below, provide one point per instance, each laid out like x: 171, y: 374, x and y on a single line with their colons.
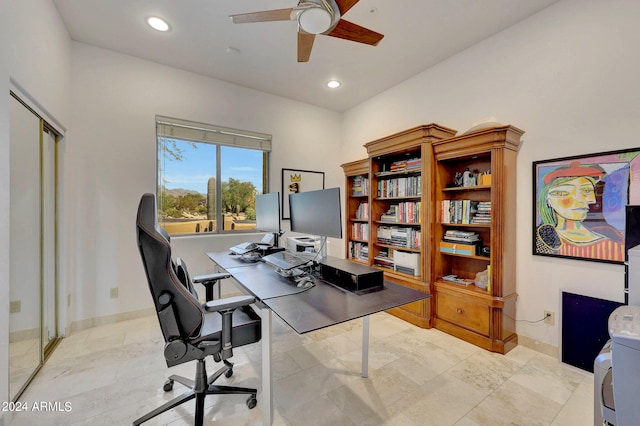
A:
x: 618, y: 387
x: 307, y: 246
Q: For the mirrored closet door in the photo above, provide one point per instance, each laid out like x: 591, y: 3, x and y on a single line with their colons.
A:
x: 32, y: 234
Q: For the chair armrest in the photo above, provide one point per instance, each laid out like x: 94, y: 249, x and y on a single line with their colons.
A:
x: 228, y: 303
x: 226, y: 307
x: 205, y: 279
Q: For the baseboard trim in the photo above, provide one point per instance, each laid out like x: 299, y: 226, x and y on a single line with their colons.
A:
x: 19, y: 336
x: 110, y: 319
x: 539, y: 346
x: 123, y: 316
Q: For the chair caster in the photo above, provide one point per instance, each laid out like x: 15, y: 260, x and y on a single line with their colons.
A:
x: 252, y: 402
x: 228, y: 373
x: 168, y: 385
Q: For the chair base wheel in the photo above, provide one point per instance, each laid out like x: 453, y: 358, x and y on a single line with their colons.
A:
x: 228, y: 373
x: 168, y: 385
x: 252, y: 402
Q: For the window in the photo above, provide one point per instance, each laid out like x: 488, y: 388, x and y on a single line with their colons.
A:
x: 209, y: 176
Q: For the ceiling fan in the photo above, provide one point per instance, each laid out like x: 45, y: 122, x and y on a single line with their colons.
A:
x: 315, y: 17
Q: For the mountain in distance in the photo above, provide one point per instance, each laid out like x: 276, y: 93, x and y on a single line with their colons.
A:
x: 179, y: 192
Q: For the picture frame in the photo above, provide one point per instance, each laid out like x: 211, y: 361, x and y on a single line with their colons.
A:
x: 579, y: 204
x: 296, y: 180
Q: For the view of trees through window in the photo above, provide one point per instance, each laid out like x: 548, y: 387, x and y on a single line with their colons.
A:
x: 189, y: 197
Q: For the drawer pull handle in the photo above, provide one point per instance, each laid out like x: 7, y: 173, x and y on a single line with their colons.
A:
x: 460, y: 311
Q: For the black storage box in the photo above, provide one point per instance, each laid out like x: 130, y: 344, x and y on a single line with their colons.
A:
x: 351, y: 276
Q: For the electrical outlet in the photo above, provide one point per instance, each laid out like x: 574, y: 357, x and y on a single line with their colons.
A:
x: 15, y: 306
x: 114, y: 292
x: 549, y: 317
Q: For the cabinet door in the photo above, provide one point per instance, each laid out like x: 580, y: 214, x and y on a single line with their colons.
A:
x: 465, y: 313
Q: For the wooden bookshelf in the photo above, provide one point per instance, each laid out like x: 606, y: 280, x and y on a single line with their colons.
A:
x: 484, y: 317
x: 358, y: 225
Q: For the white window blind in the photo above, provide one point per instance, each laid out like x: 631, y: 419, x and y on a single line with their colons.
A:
x: 176, y: 128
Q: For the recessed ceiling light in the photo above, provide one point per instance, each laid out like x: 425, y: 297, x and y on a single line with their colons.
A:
x: 157, y: 23
x: 333, y: 84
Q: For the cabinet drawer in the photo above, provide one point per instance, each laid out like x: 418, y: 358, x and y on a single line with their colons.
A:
x: 471, y: 315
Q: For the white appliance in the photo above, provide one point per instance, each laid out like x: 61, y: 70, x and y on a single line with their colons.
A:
x: 307, y: 246
x: 603, y: 405
x: 624, y: 329
x: 408, y: 263
x: 615, y: 373
x: 634, y: 276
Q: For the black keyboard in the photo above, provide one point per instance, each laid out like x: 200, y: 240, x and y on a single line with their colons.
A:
x: 284, y: 260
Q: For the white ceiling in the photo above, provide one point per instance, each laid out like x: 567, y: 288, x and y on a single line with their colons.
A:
x: 418, y: 35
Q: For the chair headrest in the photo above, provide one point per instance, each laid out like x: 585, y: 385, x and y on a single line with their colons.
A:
x: 147, y: 211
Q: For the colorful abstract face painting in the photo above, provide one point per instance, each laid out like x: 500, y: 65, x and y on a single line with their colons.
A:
x: 579, y: 205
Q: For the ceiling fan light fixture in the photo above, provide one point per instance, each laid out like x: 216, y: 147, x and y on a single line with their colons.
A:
x: 333, y: 84
x: 158, y: 24
x: 315, y: 20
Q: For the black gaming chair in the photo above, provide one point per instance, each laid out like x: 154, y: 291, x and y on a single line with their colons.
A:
x: 192, y: 331
x: 208, y: 281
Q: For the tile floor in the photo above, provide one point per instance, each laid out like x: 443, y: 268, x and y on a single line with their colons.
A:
x: 112, y: 374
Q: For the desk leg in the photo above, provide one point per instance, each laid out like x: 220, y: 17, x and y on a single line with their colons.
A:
x: 365, y: 346
x: 267, y: 394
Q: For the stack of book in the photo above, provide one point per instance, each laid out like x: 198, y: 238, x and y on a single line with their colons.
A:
x: 360, y: 186
x: 458, y: 280
x: 391, y: 215
x: 410, y: 186
x: 383, y: 260
x: 359, y: 251
x: 402, y: 165
x: 464, y: 237
x: 408, y: 212
x: 458, y: 211
x: 363, y: 211
x: 360, y: 231
x: 465, y: 212
x: 399, y: 236
x: 483, y: 213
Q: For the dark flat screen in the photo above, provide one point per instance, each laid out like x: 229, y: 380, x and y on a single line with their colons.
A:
x: 316, y: 213
x: 631, y: 229
x: 268, y: 212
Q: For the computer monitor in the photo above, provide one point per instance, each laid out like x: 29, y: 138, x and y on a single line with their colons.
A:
x: 268, y: 212
x: 316, y: 212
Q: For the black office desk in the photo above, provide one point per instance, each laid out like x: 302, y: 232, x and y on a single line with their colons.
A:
x: 309, y: 309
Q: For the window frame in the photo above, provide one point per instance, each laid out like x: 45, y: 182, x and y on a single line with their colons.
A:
x: 218, y: 136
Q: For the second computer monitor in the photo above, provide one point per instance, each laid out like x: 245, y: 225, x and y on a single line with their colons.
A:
x: 268, y: 212
x: 316, y: 212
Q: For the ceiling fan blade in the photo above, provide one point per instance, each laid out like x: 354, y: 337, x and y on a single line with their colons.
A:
x: 350, y: 31
x: 345, y: 5
x: 263, y: 16
x: 305, y: 43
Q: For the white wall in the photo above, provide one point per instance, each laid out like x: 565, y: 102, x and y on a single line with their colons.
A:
x: 568, y: 76
x: 34, y: 47
x: 109, y: 162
